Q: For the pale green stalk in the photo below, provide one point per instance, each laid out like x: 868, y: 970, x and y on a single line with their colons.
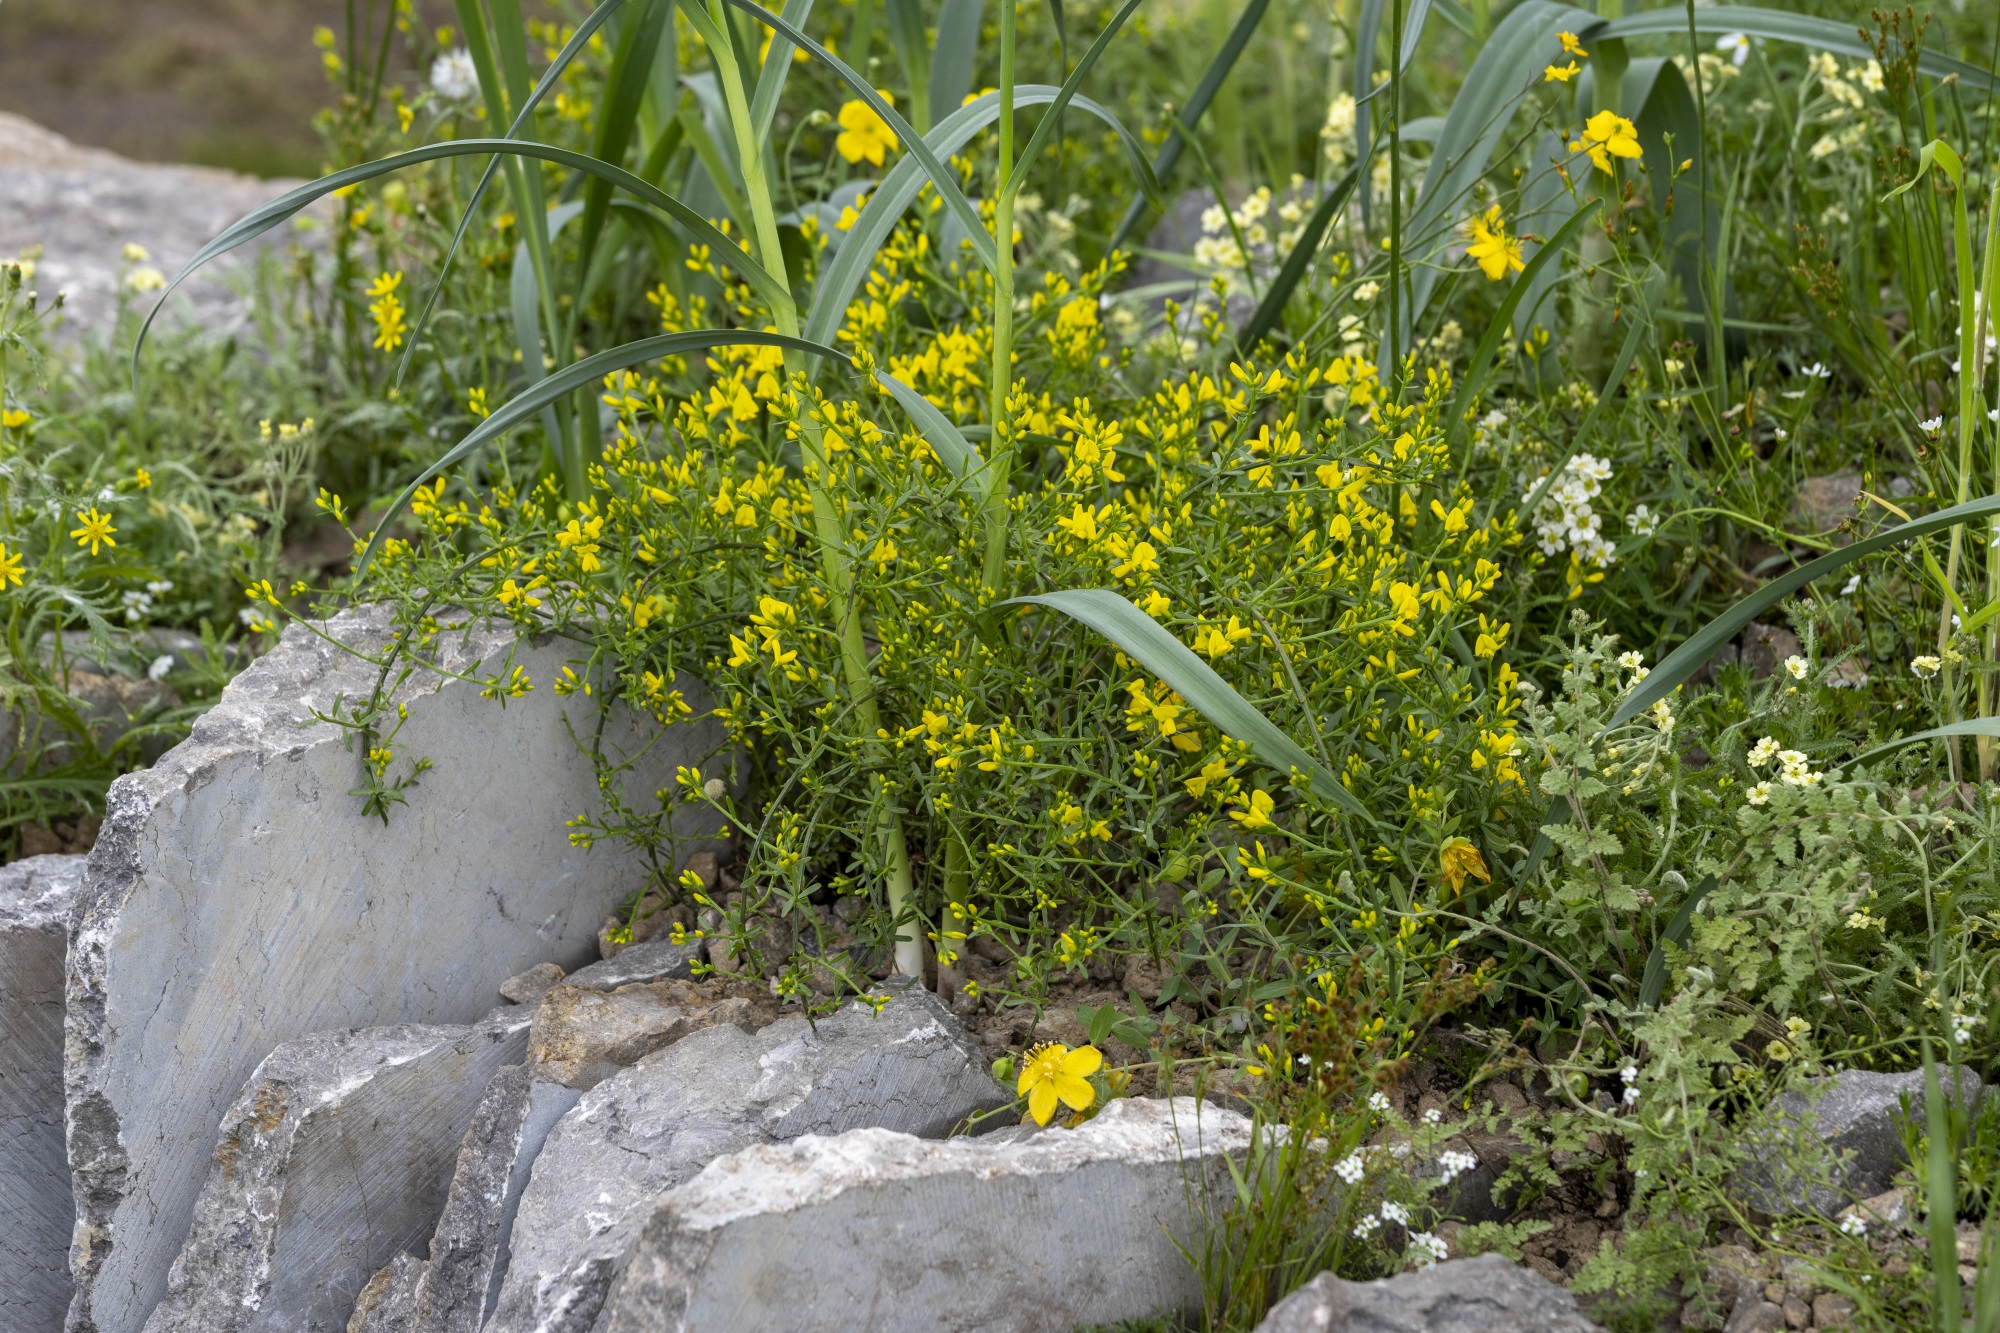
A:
x: 1972, y: 381
x: 835, y: 558
x: 1968, y: 389
x: 1001, y: 380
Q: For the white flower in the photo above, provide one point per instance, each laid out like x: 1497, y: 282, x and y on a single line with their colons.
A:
x: 1817, y: 371
x: 1642, y: 520
x: 1852, y: 586
x: 1452, y: 1165
x: 159, y: 587
x: 1931, y: 425
x: 160, y: 667
x: 1367, y: 291
x: 1798, y: 667
x: 1736, y: 45
x: 1763, y: 752
x: 1631, y: 1096
x: 1378, y: 1103
x: 1663, y: 717
x: 1853, y: 1225
x: 1759, y: 794
x: 1962, y: 1025
x: 1781, y: 433
x: 1434, y: 1116
x: 1631, y: 661
x: 145, y: 278
x: 1350, y: 1168
x: 1366, y: 1226
x: 1630, y: 1074
x: 1426, y: 1249
x: 453, y: 76
x: 1395, y: 1212
x: 1925, y: 666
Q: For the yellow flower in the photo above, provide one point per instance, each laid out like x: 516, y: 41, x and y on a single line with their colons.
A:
x: 387, y: 311
x: 1155, y: 603
x: 96, y: 530
x: 1571, y: 46
x: 863, y: 134
x: 10, y: 567
x: 1215, y: 640
x: 143, y: 479
x: 1496, y: 253
x: 475, y: 402
x: 1460, y: 859
x: 1607, y: 135
x: 1561, y: 73
x: 14, y: 418
x: 1258, y: 815
x: 1054, y: 1074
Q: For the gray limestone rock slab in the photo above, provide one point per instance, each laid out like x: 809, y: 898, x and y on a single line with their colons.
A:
x: 651, y: 1127
x: 84, y: 205
x: 38, y: 896
x: 531, y: 985
x: 238, y: 898
x: 1839, y: 1140
x: 655, y: 960
x: 387, y: 1303
x: 335, y: 1158
x: 888, y: 1232
x: 468, y: 1251
x: 1482, y: 1295
x: 582, y: 1036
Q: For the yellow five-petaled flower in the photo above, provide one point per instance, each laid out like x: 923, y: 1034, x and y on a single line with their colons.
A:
x: 1607, y: 135
x: 1054, y: 1074
x: 863, y: 134
x: 1496, y: 253
x: 10, y: 568
x: 96, y: 530
x: 1459, y: 859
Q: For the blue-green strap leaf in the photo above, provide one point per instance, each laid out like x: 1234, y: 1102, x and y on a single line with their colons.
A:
x: 951, y: 446
x: 1147, y: 642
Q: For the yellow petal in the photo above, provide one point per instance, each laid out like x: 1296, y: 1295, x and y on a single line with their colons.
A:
x: 1075, y: 1093
x: 1042, y: 1102
x: 1083, y: 1061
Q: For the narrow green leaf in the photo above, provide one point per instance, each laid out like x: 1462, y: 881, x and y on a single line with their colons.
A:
x: 844, y: 276
x: 942, y: 177
x: 777, y: 67
x: 1146, y: 641
x: 1481, y: 365
x: 953, y: 55
x: 577, y: 375
x: 906, y: 35
x: 946, y: 439
x: 262, y: 219
x: 1192, y: 111
x: 1978, y: 726
x: 1819, y: 34
x: 1272, y: 306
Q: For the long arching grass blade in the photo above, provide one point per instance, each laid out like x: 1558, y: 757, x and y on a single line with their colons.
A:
x: 1068, y: 94
x: 950, y: 444
x: 953, y: 55
x: 1265, y: 317
x: 1978, y: 726
x: 941, y: 176
x: 1684, y: 661
x: 1481, y: 366
x: 1754, y: 21
x: 1192, y: 111
x: 572, y: 377
x: 777, y: 65
x: 261, y: 220
x: 844, y: 276
x: 1147, y: 642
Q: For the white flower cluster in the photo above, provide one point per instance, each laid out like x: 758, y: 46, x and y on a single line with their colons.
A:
x: 1426, y: 1249
x: 1337, y: 135
x: 1630, y: 1074
x: 1962, y: 1025
x: 1853, y: 1225
x: 1254, y: 236
x: 1453, y: 1164
x: 453, y: 76
x: 1794, y: 769
x: 1378, y: 1103
x: 138, y: 603
x: 1350, y: 1168
x: 1564, y: 519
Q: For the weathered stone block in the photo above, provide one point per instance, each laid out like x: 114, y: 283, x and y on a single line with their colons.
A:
x: 335, y: 1157
x: 655, y: 960
x: 1482, y: 1295
x: 531, y: 985
x: 238, y: 899
x: 647, y: 1129
x: 37, y: 898
x: 386, y: 1302
x: 583, y: 1036
x: 883, y: 1231
x: 1840, y: 1140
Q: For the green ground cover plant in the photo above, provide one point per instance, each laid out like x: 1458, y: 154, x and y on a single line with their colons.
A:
x: 1496, y: 605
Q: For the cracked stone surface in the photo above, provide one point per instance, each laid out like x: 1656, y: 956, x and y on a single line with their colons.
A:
x: 38, y: 896
x: 335, y: 1156
x: 581, y: 1036
x: 1482, y: 1295
x: 84, y: 205
x: 884, y: 1231
x: 649, y: 1128
x: 237, y: 899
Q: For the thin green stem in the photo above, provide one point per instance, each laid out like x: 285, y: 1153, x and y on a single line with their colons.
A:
x: 1001, y: 380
